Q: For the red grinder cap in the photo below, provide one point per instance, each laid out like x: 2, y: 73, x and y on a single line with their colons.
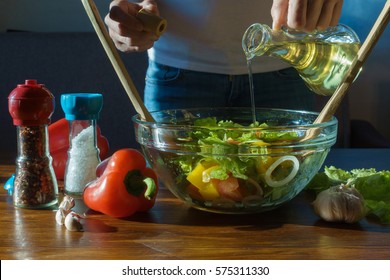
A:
x: 31, y: 104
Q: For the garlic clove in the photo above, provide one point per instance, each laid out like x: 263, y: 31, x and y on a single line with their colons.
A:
x: 60, y: 216
x: 72, y: 222
x: 67, y: 203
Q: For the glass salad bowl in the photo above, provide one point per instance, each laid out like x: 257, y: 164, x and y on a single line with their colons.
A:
x: 229, y: 160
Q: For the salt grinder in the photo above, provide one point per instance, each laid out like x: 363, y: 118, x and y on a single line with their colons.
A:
x: 31, y: 106
x: 82, y: 111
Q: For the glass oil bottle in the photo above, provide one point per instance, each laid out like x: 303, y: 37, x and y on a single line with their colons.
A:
x: 322, y: 58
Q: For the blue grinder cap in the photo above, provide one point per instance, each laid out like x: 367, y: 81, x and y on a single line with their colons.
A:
x: 81, y: 106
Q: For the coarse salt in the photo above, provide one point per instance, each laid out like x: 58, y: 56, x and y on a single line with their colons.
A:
x: 83, y: 160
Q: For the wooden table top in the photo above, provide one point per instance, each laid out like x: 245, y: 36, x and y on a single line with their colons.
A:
x: 171, y: 230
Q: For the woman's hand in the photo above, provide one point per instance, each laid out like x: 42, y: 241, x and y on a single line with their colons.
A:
x: 126, y: 30
x: 306, y: 15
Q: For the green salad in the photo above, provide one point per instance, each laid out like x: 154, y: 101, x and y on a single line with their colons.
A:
x: 245, y: 168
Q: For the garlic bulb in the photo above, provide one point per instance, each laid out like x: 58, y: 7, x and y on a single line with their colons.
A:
x: 341, y: 203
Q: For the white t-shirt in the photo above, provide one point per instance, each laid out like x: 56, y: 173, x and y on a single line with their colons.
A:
x: 206, y: 35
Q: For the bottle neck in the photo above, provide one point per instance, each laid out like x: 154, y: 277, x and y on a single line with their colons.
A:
x: 255, y: 40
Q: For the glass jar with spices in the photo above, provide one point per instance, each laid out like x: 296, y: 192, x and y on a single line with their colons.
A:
x: 31, y: 106
x: 82, y: 111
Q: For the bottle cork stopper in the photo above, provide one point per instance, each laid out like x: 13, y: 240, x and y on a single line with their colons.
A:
x: 152, y: 22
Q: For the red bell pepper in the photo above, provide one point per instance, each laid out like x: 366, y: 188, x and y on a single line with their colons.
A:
x: 59, y: 145
x: 126, y: 186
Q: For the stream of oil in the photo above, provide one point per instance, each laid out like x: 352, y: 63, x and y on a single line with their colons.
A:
x: 251, y: 90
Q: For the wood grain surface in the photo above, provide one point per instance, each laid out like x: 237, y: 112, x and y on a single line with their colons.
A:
x: 172, y: 230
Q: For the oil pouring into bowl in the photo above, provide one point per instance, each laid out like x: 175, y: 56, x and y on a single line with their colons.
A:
x: 322, y: 59
x: 258, y: 40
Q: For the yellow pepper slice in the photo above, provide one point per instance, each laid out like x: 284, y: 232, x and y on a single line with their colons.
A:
x: 195, y: 176
x: 208, y: 190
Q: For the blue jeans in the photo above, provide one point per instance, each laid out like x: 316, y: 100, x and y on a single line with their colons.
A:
x: 172, y: 88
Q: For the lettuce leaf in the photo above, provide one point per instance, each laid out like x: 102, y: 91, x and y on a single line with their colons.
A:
x: 337, y: 175
x: 374, y: 187
x: 379, y: 209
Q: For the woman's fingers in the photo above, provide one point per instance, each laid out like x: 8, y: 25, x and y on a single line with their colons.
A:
x: 306, y: 15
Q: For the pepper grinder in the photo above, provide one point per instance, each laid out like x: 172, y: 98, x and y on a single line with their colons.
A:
x: 35, y: 185
x: 82, y: 111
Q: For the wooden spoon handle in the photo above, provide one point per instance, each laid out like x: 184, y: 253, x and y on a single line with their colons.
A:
x: 152, y: 22
x: 116, y: 60
x: 333, y: 103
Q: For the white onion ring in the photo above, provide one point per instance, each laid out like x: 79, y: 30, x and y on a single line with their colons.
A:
x: 259, y: 190
x: 273, y: 166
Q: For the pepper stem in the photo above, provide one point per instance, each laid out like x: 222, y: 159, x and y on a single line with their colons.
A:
x: 135, y: 184
x: 151, y: 188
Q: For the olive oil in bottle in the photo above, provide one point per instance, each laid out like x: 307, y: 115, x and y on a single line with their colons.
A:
x: 322, y: 59
x: 321, y: 65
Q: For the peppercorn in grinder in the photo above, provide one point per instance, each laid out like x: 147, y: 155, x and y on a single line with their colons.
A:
x: 31, y: 106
